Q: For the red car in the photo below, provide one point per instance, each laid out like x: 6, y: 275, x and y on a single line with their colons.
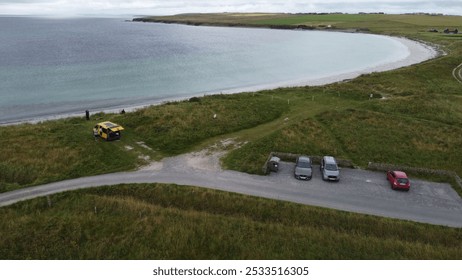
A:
x: 398, y: 180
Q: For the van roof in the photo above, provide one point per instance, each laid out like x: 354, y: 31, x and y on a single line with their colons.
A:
x: 304, y: 158
x: 112, y: 126
x: 330, y: 159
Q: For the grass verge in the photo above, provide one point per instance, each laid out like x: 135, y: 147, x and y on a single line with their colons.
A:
x: 172, y: 222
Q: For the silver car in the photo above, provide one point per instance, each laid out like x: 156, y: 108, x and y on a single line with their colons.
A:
x: 329, y: 169
x: 303, y: 170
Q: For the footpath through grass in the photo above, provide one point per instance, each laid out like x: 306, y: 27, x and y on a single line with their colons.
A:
x: 154, y: 221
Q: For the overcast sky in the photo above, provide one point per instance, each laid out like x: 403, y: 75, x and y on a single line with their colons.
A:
x: 168, y: 7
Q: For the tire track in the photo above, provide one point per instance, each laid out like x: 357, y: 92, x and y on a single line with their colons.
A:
x: 457, y: 73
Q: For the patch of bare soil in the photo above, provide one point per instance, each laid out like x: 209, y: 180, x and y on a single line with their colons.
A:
x: 207, y: 159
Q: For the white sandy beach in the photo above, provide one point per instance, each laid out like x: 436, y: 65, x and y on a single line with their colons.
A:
x: 417, y: 52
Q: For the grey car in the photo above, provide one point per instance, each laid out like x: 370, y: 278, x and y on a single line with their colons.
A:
x: 303, y: 170
x: 329, y: 169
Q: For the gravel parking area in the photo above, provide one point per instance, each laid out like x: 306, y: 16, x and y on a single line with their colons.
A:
x: 369, y: 192
x: 372, y: 185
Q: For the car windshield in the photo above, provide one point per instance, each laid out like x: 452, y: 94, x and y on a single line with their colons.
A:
x: 402, y: 181
x: 304, y: 164
x: 331, y: 167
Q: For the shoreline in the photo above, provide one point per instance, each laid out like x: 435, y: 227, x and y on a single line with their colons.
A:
x: 418, y: 52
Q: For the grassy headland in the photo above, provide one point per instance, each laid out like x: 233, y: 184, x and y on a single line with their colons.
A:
x: 415, y: 119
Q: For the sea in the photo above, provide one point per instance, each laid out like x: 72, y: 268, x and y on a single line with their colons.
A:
x: 55, y: 67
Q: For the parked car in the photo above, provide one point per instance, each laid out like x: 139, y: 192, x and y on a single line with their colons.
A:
x: 329, y: 169
x: 303, y: 170
x: 398, y: 180
x: 107, y: 130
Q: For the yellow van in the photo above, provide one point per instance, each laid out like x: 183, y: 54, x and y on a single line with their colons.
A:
x: 107, y: 130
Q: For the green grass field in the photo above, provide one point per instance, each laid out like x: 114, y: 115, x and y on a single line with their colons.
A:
x: 172, y: 222
x: 414, y: 119
x: 57, y: 150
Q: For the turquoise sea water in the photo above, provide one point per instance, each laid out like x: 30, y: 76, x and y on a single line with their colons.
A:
x: 52, y: 67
